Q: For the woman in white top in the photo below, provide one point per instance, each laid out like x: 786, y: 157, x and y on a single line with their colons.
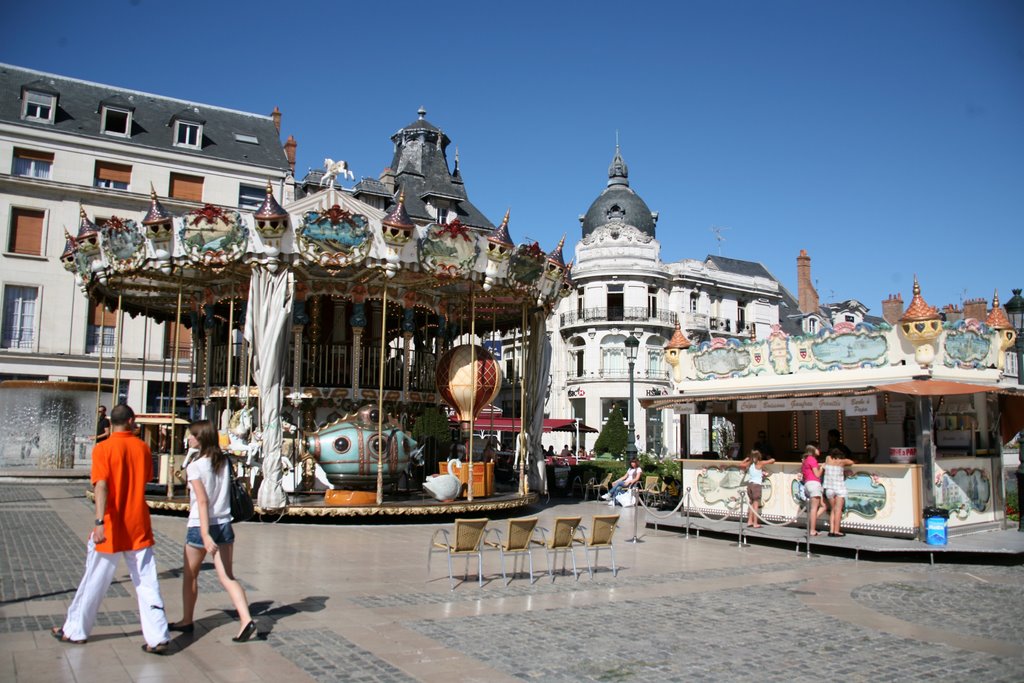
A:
x: 629, y: 479
x: 209, y: 529
x: 755, y: 480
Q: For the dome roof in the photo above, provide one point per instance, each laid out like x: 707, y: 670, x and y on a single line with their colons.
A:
x: 619, y: 203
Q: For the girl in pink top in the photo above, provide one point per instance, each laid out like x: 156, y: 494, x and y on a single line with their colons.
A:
x: 811, y: 471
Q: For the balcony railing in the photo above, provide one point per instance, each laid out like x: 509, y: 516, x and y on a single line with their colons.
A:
x: 617, y: 375
x: 616, y: 314
x: 330, y: 365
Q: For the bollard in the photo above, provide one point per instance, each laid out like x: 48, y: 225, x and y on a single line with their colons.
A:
x: 739, y: 536
x: 636, y: 516
x: 687, y: 511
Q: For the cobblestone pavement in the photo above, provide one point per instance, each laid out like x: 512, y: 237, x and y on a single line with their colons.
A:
x: 354, y: 603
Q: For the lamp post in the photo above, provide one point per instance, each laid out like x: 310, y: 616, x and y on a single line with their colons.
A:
x: 1015, y: 311
x: 632, y: 346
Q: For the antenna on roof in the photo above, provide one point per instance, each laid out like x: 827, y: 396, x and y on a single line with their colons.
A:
x: 718, y: 230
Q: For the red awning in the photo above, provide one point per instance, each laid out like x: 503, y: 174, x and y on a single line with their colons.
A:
x: 511, y: 424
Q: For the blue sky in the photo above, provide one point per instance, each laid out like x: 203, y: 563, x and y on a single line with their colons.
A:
x: 885, y: 138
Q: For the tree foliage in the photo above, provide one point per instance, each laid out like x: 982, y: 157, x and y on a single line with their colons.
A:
x: 433, y: 424
x: 612, y: 438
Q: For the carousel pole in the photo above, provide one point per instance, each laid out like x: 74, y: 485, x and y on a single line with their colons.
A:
x: 231, y: 355
x: 380, y: 397
x: 174, y: 394
x: 99, y: 370
x: 118, y: 330
x: 524, y: 482
x: 472, y: 394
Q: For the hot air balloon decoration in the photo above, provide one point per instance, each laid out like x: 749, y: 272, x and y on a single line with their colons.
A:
x: 466, y: 391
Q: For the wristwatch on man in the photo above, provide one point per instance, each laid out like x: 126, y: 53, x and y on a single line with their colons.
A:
x: 99, y: 522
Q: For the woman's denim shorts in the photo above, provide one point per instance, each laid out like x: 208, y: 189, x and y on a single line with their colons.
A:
x: 222, y: 535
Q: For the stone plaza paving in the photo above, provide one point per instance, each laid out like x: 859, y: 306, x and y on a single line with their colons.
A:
x: 355, y: 603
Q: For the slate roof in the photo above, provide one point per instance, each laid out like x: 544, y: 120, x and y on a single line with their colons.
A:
x: 371, y: 186
x: 421, y: 171
x: 79, y: 113
x: 618, y: 202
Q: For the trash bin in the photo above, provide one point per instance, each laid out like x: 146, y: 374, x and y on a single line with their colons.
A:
x: 935, y: 523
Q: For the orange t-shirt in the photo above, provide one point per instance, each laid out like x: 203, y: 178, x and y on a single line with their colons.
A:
x: 125, y: 462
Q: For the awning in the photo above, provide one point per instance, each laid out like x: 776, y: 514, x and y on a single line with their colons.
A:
x: 936, y: 387
x: 680, y: 399
x: 511, y: 424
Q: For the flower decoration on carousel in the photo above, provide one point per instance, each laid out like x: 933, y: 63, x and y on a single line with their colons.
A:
x: 123, y: 243
x: 526, y: 265
x: 214, y: 236
x: 448, y: 250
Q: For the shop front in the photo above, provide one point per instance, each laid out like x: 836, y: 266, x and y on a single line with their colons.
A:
x: 924, y: 427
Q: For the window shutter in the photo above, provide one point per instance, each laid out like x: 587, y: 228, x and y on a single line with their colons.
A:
x: 33, y: 154
x: 117, y: 173
x: 187, y: 187
x: 100, y: 316
x: 26, y: 232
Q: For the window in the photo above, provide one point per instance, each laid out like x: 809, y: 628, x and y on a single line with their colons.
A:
x: 694, y: 298
x: 613, y: 356
x: 38, y: 106
x: 26, y: 234
x: 580, y: 299
x: 250, y: 198
x: 32, y: 164
x: 187, y: 134
x: 116, y: 121
x: 188, y: 187
x: 246, y: 138
x: 184, y: 342
x: 652, y: 302
x: 19, y: 317
x: 849, y: 319
x: 102, y: 327
x: 113, y: 176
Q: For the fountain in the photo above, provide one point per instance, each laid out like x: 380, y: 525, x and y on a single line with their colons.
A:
x: 47, y: 425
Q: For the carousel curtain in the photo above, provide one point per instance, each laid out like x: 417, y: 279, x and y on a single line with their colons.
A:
x: 267, y: 329
x: 538, y: 354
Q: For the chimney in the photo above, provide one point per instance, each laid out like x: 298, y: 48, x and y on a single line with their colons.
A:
x: 951, y: 313
x: 806, y: 293
x: 976, y: 309
x: 892, y: 308
x: 276, y: 115
x: 387, y: 178
x: 289, y: 151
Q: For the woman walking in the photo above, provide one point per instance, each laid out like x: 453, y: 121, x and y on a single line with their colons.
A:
x: 835, y: 488
x: 209, y: 529
x: 754, y: 463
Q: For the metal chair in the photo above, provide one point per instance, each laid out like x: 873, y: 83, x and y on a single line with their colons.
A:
x: 469, y: 534
x: 601, y: 532
x: 596, y: 487
x: 563, y: 540
x: 652, y: 490
x: 518, y: 541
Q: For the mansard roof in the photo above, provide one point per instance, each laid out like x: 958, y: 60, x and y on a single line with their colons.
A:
x: 79, y: 113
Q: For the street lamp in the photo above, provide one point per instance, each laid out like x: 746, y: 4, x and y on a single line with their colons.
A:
x: 1015, y: 311
x: 632, y: 346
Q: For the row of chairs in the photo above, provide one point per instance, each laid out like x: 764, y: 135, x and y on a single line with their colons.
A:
x: 472, y: 537
x: 653, y: 491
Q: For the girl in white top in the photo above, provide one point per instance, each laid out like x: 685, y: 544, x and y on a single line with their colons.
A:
x: 755, y: 479
x: 835, y: 489
x: 209, y: 529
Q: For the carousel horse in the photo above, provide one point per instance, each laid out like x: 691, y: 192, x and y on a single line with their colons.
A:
x: 333, y: 170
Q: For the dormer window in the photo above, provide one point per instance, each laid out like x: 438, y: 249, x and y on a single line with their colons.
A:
x: 187, y: 133
x: 38, y: 106
x: 117, y: 121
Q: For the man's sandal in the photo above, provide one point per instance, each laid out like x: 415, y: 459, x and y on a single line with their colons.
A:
x: 160, y: 649
x: 58, y: 633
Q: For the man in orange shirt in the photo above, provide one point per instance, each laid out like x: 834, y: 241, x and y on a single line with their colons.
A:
x: 121, y: 466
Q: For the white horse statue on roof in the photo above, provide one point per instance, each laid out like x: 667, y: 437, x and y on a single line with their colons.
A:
x: 333, y: 170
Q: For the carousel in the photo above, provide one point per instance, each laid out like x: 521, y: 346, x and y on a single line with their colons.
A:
x: 321, y: 333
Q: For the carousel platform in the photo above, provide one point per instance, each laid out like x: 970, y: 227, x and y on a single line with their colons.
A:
x: 990, y: 545
x: 412, y: 505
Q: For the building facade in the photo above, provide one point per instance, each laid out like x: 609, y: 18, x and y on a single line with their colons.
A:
x: 623, y: 288
x: 70, y: 148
